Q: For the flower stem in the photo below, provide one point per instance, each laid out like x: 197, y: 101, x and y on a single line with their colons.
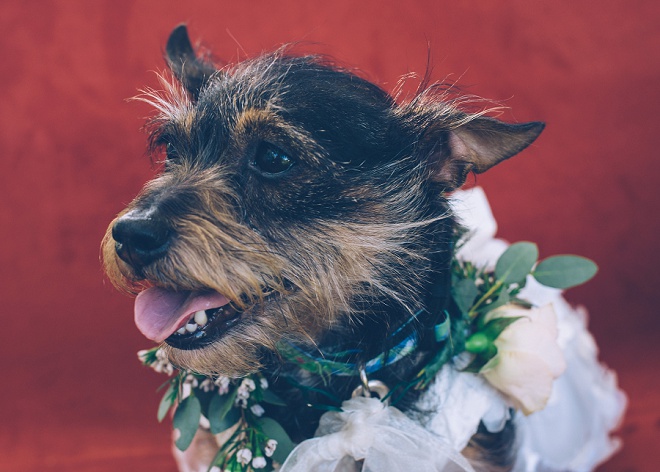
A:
x: 485, y: 297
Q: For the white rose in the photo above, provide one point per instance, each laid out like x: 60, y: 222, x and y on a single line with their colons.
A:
x: 528, y: 358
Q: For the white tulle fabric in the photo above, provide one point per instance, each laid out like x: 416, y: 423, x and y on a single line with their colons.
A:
x: 572, y: 434
x: 382, y: 437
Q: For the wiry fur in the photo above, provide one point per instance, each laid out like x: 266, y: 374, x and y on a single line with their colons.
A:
x: 340, y: 249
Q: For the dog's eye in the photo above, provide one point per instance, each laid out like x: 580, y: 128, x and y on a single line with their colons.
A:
x: 271, y: 160
x: 171, y: 152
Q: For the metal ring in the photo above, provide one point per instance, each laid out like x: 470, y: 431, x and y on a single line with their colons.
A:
x: 373, y: 387
x: 364, y: 380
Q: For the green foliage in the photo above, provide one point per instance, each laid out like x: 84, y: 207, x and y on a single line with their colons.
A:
x: 271, y: 398
x: 186, y: 420
x: 222, y: 413
x: 273, y: 430
x: 516, y: 262
x: 565, y: 271
x: 476, y: 292
x: 465, y: 292
x: 167, y: 401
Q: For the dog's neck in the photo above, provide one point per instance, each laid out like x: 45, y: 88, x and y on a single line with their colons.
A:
x: 367, y: 339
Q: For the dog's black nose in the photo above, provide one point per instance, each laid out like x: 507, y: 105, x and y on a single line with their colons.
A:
x: 141, y: 237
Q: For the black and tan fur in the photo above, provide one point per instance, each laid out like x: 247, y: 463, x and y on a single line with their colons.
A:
x: 341, y: 247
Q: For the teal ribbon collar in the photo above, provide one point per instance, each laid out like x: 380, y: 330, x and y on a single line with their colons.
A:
x: 338, y: 364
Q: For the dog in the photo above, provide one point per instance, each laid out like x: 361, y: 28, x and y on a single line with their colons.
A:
x: 299, y: 203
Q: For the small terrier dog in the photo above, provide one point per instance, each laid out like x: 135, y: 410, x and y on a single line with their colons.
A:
x: 300, y: 203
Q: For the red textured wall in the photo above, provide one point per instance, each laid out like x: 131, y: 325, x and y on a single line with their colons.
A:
x: 72, y: 395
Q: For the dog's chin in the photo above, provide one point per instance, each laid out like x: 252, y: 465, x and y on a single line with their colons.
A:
x: 227, y: 356
x: 232, y: 343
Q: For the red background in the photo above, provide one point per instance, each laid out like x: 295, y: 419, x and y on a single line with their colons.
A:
x: 73, y: 396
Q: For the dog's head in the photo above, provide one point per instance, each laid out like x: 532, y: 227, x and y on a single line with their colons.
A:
x: 294, y: 196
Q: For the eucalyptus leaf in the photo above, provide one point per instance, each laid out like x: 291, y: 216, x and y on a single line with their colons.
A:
x: 186, y: 420
x: 516, y: 262
x: 273, y: 430
x: 166, y: 402
x: 272, y: 398
x: 222, y: 415
x: 465, y: 292
x: 565, y: 271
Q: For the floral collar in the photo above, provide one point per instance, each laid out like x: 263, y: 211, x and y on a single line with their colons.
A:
x: 488, y: 308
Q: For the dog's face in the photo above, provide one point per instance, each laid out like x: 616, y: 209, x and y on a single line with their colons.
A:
x: 293, y: 196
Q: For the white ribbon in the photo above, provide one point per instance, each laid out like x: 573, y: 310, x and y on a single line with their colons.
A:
x: 382, y: 437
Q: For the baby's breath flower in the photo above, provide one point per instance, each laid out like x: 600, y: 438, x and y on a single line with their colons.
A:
x: 191, y: 380
x: 249, y: 384
x: 263, y: 382
x: 163, y: 367
x: 143, y: 354
x: 223, y: 385
x: 259, y: 462
x: 207, y: 385
x: 270, y: 447
x: 244, y: 456
x: 257, y: 409
x: 160, y: 355
x: 242, y: 402
x: 160, y: 364
x: 243, y: 392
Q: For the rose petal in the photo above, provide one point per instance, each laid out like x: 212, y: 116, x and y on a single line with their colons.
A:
x: 523, y: 377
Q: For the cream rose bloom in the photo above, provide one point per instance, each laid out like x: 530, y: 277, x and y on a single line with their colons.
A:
x: 528, y: 357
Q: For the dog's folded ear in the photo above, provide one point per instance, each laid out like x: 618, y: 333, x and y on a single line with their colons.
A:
x: 476, y: 145
x: 185, y: 65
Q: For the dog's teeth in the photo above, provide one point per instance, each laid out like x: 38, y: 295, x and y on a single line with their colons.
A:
x: 200, y: 318
x: 181, y: 330
x: 191, y: 327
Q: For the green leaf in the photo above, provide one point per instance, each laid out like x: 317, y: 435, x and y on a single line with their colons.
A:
x: 222, y: 415
x: 273, y: 399
x: 494, y: 328
x: 565, y: 271
x: 273, y: 430
x: 465, y: 292
x: 516, y: 262
x: 502, y: 300
x: 166, y: 402
x: 186, y: 420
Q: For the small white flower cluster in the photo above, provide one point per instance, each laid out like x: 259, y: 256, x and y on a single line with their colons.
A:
x: 243, y: 393
x: 222, y: 383
x: 244, y: 456
x: 259, y: 462
x: 271, y: 445
x: 191, y: 380
x: 160, y: 365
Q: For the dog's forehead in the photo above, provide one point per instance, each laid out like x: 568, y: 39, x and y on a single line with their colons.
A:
x: 344, y: 117
x: 337, y: 108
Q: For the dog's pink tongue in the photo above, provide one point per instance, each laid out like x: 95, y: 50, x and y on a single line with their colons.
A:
x: 159, y: 312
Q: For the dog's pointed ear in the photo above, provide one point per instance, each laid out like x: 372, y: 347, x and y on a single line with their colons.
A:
x: 185, y: 65
x: 476, y: 145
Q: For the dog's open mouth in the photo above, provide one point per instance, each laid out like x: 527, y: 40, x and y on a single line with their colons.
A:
x: 184, y: 319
